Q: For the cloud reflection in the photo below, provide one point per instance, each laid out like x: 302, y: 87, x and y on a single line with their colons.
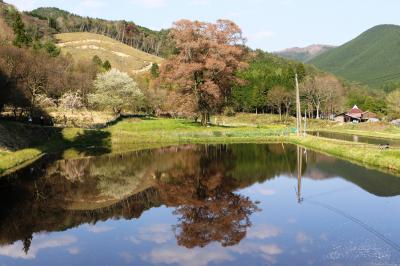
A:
x: 158, y: 233
x: 192, y: 257
x: 39, y: 243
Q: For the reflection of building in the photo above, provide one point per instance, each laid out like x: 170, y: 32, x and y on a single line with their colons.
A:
x: 357, y: 115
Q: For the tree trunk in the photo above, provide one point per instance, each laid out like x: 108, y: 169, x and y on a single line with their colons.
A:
x: 204, y: 118
x: 317, y: 111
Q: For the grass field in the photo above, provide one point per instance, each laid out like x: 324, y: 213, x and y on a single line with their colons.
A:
x: 134, y: 134
x: 84, y: 45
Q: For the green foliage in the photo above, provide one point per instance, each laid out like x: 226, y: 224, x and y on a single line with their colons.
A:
x: 107, y: 65
x: 97, y: 61
x: 366, y: 100
x: 393, y: 101
x: 21, y: 37
x: 372, y: 58
x: 52, y: 49
x: 155, y: 70
x: 265, y: 71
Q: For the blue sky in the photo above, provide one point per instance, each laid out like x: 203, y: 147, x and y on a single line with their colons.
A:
x: 268, y: 24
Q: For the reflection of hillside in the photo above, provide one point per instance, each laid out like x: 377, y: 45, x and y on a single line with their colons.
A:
x: 74, y: 192
x: 372, y: 181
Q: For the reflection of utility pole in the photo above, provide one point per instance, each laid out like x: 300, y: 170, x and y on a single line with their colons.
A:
x: 299, y: 171
x: 305, y: 122
x: 298, y: 108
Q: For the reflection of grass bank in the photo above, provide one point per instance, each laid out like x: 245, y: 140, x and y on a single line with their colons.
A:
x: 363, y: 154
x: 86, y: 142
x: 135, y: 134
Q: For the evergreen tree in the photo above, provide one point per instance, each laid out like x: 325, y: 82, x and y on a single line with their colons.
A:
x: 155, y: 70
x: 21, y: 37
x: 97, y: 61
x: 107, y: 65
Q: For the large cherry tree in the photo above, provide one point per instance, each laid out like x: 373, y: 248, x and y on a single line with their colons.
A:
x: 202, y: 72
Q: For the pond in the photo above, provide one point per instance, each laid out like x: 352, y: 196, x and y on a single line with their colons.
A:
x: 201, y: 205
x: 356, y: 138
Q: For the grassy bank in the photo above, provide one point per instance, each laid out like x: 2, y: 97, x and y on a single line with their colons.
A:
x: 359, y: 153
x: 135, y: 133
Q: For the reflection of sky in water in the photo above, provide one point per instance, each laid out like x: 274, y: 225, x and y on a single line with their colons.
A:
x: 340, y: 220
x: 283, y: 233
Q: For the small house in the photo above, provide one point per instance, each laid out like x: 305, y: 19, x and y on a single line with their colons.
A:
x: 356, y: 115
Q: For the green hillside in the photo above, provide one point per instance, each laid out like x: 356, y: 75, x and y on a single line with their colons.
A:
x: 84, y: 45
x: 373, y: 58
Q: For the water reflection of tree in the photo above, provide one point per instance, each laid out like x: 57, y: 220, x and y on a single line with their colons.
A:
x: 208, y: 209
x: 223, y: 219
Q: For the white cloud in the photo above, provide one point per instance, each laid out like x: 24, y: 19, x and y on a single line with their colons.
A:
x: 263, y: 231
x: 96, y: 229
x: 192, y: 257
x: 74, y: 251
x: 126, y: 256
x: 266, y: 191
x: 39, y: 243
x: 303, y: 238
x: 158, y: 233
x: 266, y: 251
x: 150, y: 3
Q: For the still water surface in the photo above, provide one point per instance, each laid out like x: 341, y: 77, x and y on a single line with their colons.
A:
x: 356, y: 138
x: 201, y: 205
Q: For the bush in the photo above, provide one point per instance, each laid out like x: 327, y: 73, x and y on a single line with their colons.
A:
x: 229, y: 111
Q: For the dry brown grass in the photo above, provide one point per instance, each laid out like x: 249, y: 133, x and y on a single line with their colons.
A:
x: 84, y: 46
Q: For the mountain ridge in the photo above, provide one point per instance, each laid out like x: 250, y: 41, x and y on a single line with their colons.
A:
x: 304, y: 54
x: 372, y: 58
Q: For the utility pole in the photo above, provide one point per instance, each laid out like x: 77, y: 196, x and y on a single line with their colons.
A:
x: 305, y: 122
x: 298, y: 108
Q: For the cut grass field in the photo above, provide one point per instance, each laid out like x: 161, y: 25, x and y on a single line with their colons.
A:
x: 135, y: 134
x: 84, y: 46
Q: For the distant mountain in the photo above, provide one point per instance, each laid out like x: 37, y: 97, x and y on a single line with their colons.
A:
x: 304, y: 54
x: 373, y: 58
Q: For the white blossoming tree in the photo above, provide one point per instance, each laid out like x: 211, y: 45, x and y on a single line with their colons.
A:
x: 116, y: 91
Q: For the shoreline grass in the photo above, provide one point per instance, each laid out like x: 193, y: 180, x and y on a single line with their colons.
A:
x: 135, y: 134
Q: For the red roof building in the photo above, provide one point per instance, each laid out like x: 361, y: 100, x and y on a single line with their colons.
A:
x: 356, y: 115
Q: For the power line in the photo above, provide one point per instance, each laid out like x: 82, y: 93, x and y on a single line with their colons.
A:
x: 370, y: 229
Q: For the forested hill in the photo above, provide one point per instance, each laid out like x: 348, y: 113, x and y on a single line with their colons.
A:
x: 373, y: 58
x: 154, y: 42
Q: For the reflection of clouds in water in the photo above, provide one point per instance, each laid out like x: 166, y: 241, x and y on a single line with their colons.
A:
x: 38, y: 243
x: 183, y: 256
x: 303, y: 238
x: 96, y: 229
x: 266, y: 191
x: 126, y: 256
x: 74, y: 250
x: 263, y: 231
x: 133, y: 239
x: 211, y: 253
x: 158, y: 233
x: 267, y: 251
x: 261, y: 190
